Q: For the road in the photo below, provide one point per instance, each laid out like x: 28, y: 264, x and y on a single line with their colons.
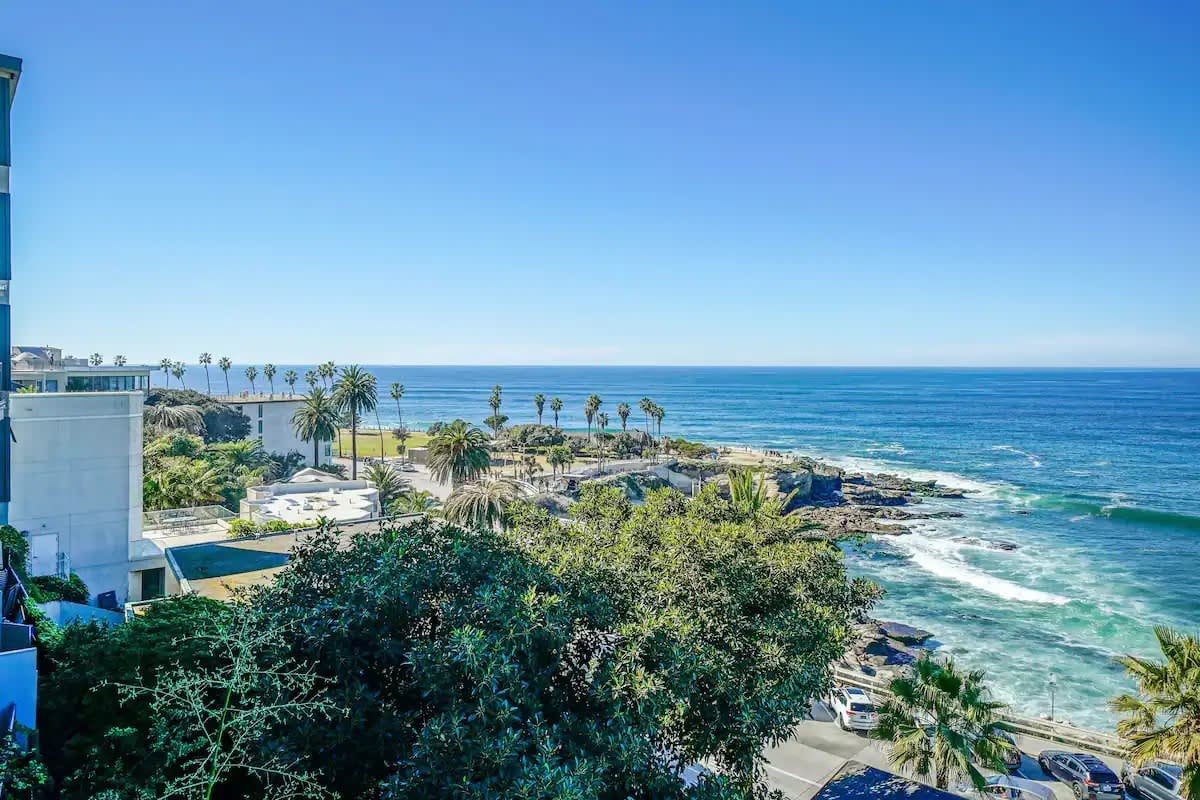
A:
x: 818, y: 748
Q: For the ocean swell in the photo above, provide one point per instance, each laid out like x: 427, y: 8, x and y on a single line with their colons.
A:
x: 1082, y: 507
x: 936, y: 556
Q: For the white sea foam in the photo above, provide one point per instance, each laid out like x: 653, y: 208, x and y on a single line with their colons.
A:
x: 949, y: 479
x: 1033, y: 460
x: 938, y: 557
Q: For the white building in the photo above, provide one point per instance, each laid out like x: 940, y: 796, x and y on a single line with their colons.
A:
x: 271, y: 423
x: 77, y: 484
x: 309, y: 495
x: 46, y: 369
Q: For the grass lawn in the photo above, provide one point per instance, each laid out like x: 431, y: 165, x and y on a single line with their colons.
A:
x: 368, y: 442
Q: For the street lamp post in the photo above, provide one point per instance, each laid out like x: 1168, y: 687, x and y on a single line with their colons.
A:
x: 1052, y: 683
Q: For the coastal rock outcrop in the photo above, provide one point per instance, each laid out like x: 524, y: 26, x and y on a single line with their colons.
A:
x: 879, y: 645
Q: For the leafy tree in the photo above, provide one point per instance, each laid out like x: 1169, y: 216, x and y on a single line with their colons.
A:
x: 22, y: 773
x: 560, y: 457
x: 534, y: 436
x: 1162, y: 721
x: 252, y: 375
x: 269, y: 374
x: 387, y: 481
x: 316, y: 421
x: 458, y: 453
x: 481, y: 503
x: 225, y: 364
x: 496, y: 423
x: 623, y: 413
x: 206, y: 359
x: 290, y: 377
x: 222, y: 423
x: 354, y: 393
x: 556, y: 405
x: 539, y: 403
x: 941, y: 722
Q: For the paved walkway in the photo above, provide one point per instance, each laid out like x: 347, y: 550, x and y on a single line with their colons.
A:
x: 818, y: 748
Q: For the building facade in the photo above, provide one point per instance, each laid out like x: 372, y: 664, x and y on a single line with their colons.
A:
x: 46, y: 369
x: 271, y: 423
x: 10, y: 72
x: 77, y: 484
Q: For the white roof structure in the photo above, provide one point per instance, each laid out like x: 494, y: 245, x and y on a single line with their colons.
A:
x: 309, y: 495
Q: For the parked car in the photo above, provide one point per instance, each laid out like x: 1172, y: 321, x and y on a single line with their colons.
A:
x: 1006, y: 786
x: 407, y: 467
x: 1089, y: 777
x: 1158, y: 780
x: 854, y: 709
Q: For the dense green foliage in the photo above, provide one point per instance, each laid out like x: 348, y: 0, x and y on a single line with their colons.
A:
x: 689, y: 449
x: 179, y: 471
x: 533, y: 436
x: 44, y: 588
x: 458, y: 453
x: 591, y: 659
x: 942, y: 724
x: 1162, y: 721
x: 222, y: 423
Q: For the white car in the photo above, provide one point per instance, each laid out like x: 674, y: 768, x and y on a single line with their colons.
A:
x: 854, y: 709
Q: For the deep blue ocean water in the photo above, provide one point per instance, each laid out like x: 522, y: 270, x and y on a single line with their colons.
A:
x: 1093, y: 474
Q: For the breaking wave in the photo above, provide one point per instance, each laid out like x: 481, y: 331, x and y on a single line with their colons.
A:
x: 936, y: 557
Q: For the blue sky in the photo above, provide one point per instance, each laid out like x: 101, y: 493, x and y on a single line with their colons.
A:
x: 1008, y: 183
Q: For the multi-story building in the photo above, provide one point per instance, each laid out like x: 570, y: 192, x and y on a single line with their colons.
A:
x: 271, y: 423
x: 77, y: 484
x: 10, y: 73
x: 46, y: 369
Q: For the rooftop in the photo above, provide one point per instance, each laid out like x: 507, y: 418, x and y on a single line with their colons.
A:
x: 855, y: 781
x: 311, y: 494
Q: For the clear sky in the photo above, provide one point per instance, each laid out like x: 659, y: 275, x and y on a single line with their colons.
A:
x: 1010, y: 183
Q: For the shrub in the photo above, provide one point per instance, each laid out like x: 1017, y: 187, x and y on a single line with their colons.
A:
x: 16, y: 545
x: 689, y: 449
x: 242, y: 527
x: 44, y: 588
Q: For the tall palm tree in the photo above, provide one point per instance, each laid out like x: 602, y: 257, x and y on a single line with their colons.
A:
x: 225, y: 364
x: 269, y: 374
x: 590, y: 407
x: 326, y: 372
x: 397, y: 393
x: 494, y: 401
x: 120, y: 361
x: 290, y: 377
x: 601, y: 423
x: 1163, y: 720
x: 657, y: 412
x: 316, y: 420
x: 206, y: 359
x: 645, y: 404
x: 178, y: 369
x: 556, y: 406
x: 387, y: 482
x: 251, y: 375
x: 941, y: 722
x: 310, y: 377
x: 354, y: 393
x: 481, y: 503
x: 623, y: 413
x: 539, y: 403
x: 458, y: 453
x: 165, y: 365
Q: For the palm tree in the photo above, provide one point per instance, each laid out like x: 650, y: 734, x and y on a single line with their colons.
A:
x: 555, y: 406
x: 458, y: 453
x: 242, y: 456
x: 316, y: 420
x: 310, y: 377
x: 326, y: 372
x: 397, y: 393
x: 387, y: 482
x: 1163, y: 720
x: 355, y: 393
x: 590, y: 407
x: 165, y: 365
x: 178, y: 369
x: 942, y: 722
x: 95, y: 359
x: 225, y: 364
x: 206, y: 359
x: 269, y: 374
x: 183, y: 417
x: 559, y: 457
x: 623, y: 413
x: 401, y: 433
x: 481, y: 503
x: 601, y: 423
x: 645, y: 404
x: 120, y: 361
x: 418, y: 502
x: 539, y: 403
x: 657, y: 412
x: 494, y: 401
x: 290, y: 377
x: 251, y: 374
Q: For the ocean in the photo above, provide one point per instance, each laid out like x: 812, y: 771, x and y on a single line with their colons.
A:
x: 1094, y: 475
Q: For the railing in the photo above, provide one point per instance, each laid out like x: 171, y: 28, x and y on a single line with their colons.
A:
x: 182, y: 521
x: 1075, y: 738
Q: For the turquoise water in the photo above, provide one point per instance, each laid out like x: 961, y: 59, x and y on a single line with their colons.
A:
x: 1094, y: 475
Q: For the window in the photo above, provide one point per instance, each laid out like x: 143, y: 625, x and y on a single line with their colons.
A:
x: 153, y: 583
x: 1160, y: 779
x: 260, y: 427
x: 328, y: 449
x: 260, y: 411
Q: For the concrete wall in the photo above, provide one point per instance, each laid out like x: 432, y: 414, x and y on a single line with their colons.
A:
x: 77, y: 482
x: 63, y: 612
x: 271, y: 422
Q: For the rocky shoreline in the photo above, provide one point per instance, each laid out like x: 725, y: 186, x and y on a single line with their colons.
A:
x: 880, y: 648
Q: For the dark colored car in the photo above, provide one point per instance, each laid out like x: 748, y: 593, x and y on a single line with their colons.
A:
x: 1012, y: 754
x: 1156, y: 781
x: 1089, y: 777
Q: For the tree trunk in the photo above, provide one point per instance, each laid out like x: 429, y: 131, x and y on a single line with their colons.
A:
x: 316, y: 451
x: 353, y: 442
